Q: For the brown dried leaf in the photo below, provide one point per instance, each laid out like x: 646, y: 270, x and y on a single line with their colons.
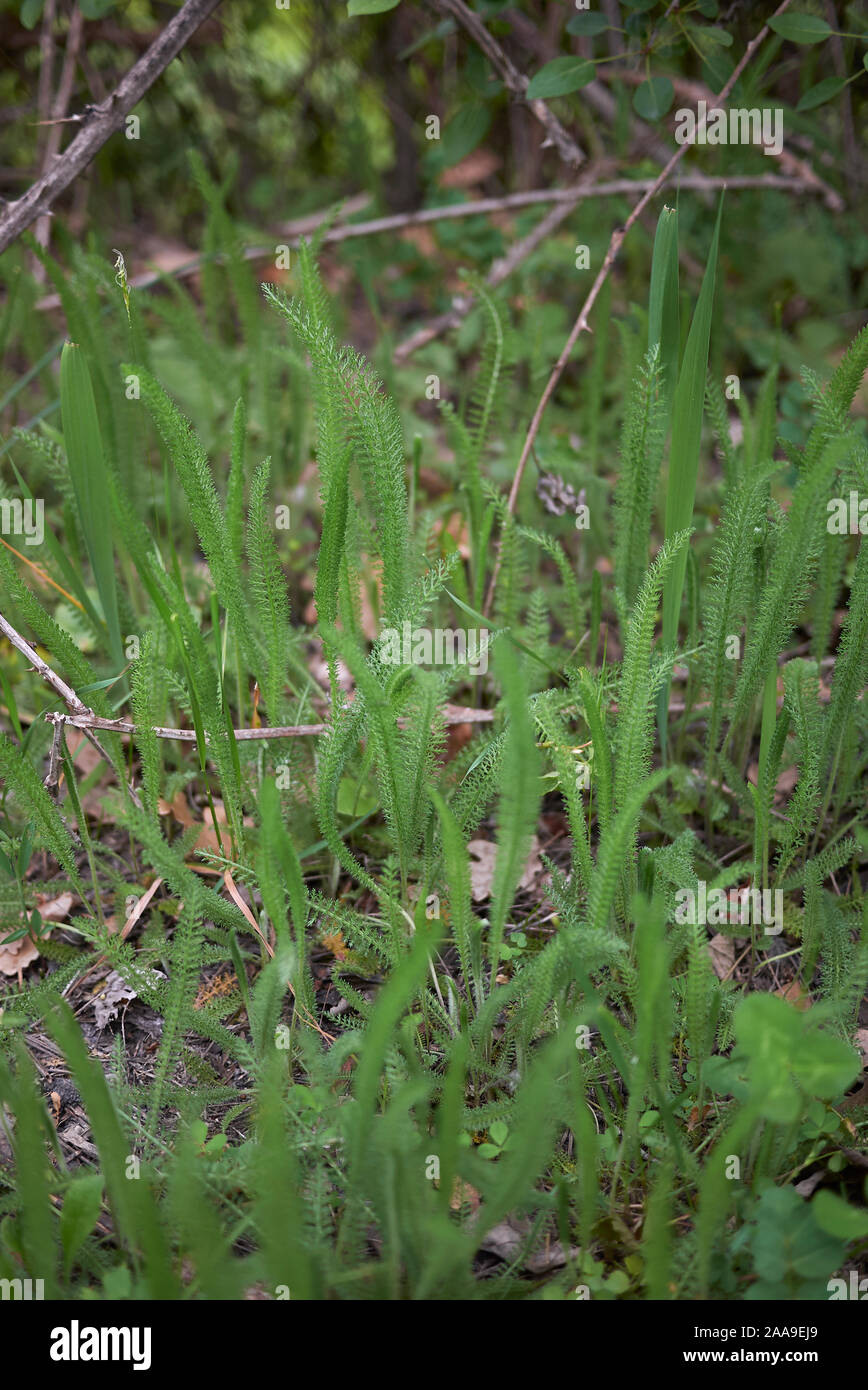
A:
x: 108, y: 996
x: 55, y: 909
x: 334, y: 942
x: 483, y: 866
x: 464, y: 1195
x: 507, y: 1237
x: 796, y: 993
x: 422, y: 238
x: 808, y: 1185
x: 178, y: 808
x: 474, y: 168
x: 533, y: 866
x: 17, y: 955
x: 483, y: 854
x: 721, y: 949
x: 207, y: 837
x: 458, y: 736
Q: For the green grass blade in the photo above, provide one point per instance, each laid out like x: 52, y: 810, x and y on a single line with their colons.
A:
x: 664, y: 328
x: 87, y: 465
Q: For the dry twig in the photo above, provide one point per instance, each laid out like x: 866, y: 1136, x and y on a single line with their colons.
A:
x: 291, y: 233
x: 103, y: 120
x: 59, y: 109
x: 81, y: 717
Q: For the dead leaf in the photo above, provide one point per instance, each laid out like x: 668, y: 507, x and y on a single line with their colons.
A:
x: 178, y: 808
x: 473, y: 168
x: 463, y: 1194
x: 807, y: 1186
x: 55, y: 909
x: 787, y: 779
x: 243, y: 908
x: 507, y: 1237
x: 532, y: 867
x: 114, y: 991
x: 796, y: 993
x: 483, y: 854
x: 319, y: 667
x: 334, y: 942
x: 422, y: 238
x: 457, y: 737
x: 15, y: 956
x: 483, y: 865
x: 721, y: 949
x: 207, y: 837
x: 108, y: 996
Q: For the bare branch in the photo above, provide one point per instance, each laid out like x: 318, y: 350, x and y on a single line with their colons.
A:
x: 70, y: 699
x: 65, y: 692
x: 453, y: 714
x: 81, y: 717
x: 104, y: 120
x: 58, y: 112
x: 291, y: 233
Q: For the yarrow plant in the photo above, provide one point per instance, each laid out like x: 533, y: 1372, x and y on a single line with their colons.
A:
x: 432, y: 830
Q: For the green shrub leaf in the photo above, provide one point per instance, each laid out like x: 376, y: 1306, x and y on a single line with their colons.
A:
x: 560, y: 77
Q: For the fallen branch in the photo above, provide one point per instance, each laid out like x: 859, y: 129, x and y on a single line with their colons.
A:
x: 452, y: 715
x: 69, y: 697
x: 103, y: 120
x: 581, y: 323
x: 81, y: 717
